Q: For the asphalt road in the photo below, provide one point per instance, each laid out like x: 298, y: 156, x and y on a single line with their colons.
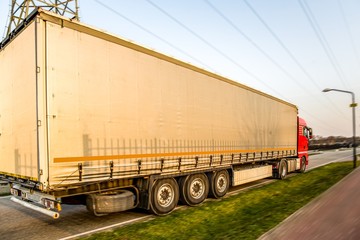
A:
x: 18, y: 222
x: 326, y: 157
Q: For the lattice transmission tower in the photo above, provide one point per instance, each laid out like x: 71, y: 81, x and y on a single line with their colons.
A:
x: 20, y: 9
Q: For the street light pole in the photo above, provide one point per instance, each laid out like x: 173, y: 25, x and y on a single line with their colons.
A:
x: 353, y: 106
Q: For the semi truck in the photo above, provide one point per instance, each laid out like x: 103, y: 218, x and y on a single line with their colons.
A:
x: 89, y: 118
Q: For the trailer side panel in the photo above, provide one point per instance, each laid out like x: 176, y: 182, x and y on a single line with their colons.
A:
x: 112, y: 105
x: 18, y: 120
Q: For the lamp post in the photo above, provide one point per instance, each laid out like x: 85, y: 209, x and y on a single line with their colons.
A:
x: 353, y: 106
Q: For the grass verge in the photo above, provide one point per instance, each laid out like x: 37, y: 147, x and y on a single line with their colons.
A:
x: 246, y: 215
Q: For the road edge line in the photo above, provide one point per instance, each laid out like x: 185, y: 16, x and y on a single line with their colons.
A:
x: 104, y: 228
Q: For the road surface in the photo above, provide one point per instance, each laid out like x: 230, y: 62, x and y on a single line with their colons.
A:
x: 326, y: 157
x: 18, y: 222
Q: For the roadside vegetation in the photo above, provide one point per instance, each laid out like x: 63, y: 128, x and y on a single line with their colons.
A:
x: 246, y: 215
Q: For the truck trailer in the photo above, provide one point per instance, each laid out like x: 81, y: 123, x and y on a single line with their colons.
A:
x: 89, y: 118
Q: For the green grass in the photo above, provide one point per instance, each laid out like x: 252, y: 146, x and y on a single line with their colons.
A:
x: 246, y: 215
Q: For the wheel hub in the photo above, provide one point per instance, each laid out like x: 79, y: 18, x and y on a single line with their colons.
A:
x: 197, y: 188
x: 165, y: 195
x: 221, y: 183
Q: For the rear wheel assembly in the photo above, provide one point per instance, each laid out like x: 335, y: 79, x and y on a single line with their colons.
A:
x: 164, y: 196
x: 219, y: 183
x: 303, y: 165
x: 194, y: 189
x: 282, y: 169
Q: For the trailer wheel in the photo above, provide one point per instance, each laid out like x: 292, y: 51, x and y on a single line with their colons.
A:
x: 110, y: 202
x: 282, y: 169
x: 194, y: 189
x: 164, y: 196
x: 219, y: 183
x: 303, y: 165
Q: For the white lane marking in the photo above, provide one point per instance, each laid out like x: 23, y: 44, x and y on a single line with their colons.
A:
x: 104, y: 228
x: 3, y: 197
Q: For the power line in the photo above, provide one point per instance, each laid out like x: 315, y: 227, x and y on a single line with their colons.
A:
x: 151, y: 33
x: 356, y: 53
x: 319, y: 120
x: 263, y: 51
x: 255, y: 45
x: 269, y: 57
x: 202, y: 39
x: 281, y: 44
x: 213, y: 47
x: 291, y: 55
x: 322, y: 39
x: 173, y: 46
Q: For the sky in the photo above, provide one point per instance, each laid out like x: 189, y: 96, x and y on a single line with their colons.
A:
x: 291, y: 49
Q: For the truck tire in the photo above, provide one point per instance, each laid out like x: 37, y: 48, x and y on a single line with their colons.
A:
x: 164, y: 196
x: 219, y: 183
x: 282, y: 169
x: 110, y: 202
x: 303, y: 165
x: 194, y: 189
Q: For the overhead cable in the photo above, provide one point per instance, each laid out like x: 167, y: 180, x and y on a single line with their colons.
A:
x: 343, y: 15
x: 151, y: 33
x: 291, y: 55
x: 214, y: 48
x: 256, y: 46
x: 322, y: 39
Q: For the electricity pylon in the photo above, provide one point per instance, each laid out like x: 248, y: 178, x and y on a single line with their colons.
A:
x: 20, y: 9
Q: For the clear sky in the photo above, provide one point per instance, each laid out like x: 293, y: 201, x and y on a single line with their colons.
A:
x: 291, y: 49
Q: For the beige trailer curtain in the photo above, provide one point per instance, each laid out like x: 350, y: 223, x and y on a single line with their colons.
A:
x: 18, y: 121
x: 105, y: 99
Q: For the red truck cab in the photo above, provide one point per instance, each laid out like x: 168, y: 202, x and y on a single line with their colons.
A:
x: 304, y: 135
